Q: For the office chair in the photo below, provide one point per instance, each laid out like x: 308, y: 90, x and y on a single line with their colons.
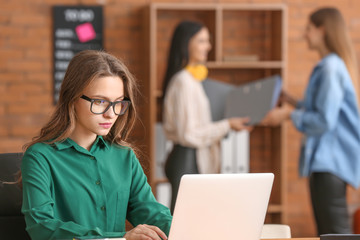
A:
x: 12, y: 222
x: 275, y: 231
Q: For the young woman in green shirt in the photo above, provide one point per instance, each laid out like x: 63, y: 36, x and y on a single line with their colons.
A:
x: 80, y: 177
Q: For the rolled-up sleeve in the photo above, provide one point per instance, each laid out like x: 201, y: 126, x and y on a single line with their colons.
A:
x: 327, y: 100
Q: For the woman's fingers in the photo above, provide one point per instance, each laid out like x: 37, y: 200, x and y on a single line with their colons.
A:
x: 239, y: 124
x: 158, y: 231
x: 145, y: 232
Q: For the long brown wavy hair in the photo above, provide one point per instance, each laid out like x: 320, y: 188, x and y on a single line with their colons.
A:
x: 83, y: 69
x: 337, y: 38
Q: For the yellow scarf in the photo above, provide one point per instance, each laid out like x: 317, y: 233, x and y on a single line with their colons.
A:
x: 199, y: 72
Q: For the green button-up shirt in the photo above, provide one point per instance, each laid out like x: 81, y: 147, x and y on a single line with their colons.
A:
x: 69, y: 191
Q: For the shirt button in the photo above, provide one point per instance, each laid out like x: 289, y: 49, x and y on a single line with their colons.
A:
x: 92, y: 157
x: 103, y: 208
x: 98, y: 182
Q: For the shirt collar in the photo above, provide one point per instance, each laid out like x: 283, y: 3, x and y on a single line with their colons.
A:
x: 326, y: 58
x: 67, y: 143
x: 101, y: 142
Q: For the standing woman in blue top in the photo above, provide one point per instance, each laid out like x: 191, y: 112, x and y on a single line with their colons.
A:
x: 329, y: 118
x: 80, y: 176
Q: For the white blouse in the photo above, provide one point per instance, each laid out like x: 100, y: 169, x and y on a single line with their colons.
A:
x: 187, y: 121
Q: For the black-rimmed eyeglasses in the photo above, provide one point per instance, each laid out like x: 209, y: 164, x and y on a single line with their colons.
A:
x: 100, y: 106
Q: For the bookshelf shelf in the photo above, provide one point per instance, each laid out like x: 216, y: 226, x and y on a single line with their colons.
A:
x: 248, y: 43
x: 275, y: 208
x: 246, y: 65
x: 161, y: 180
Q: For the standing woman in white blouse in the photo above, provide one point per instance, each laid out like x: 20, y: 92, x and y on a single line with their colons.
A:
x: 186, y: 116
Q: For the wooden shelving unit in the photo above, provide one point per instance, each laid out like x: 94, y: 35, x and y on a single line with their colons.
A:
x: 238, y: 31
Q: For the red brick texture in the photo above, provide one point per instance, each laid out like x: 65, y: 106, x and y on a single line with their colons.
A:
x: 26, y: 72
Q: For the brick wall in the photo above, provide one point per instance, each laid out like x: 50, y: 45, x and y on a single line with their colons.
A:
x: 26, y: 66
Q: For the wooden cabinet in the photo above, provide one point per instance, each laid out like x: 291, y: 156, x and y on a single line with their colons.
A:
x: 248, y: 43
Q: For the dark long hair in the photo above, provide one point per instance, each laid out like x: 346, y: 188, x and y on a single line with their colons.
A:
x: 179, y: 50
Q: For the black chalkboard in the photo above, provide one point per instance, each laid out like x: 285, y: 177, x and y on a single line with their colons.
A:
x: 75, y: 28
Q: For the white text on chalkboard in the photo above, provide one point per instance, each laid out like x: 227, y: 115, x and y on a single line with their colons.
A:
x: 79, y: 15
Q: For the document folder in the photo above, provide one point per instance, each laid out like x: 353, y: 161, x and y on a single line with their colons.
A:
x: 252, y: 100
x: 217, y: 93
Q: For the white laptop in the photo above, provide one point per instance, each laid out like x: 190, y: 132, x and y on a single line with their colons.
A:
x: 221, y: 206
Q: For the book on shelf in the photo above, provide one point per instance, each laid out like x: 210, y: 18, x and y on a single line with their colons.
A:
x: 241, y: 58
x: 235, y: 152
x: 162, y: 148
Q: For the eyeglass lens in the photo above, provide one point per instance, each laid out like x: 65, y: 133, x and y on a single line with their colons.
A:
x: 99, y: 106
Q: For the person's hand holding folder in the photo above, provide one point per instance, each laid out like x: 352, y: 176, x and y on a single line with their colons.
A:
x: 285, y: 97
x: 239, y: 124
x: 276, y: 116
